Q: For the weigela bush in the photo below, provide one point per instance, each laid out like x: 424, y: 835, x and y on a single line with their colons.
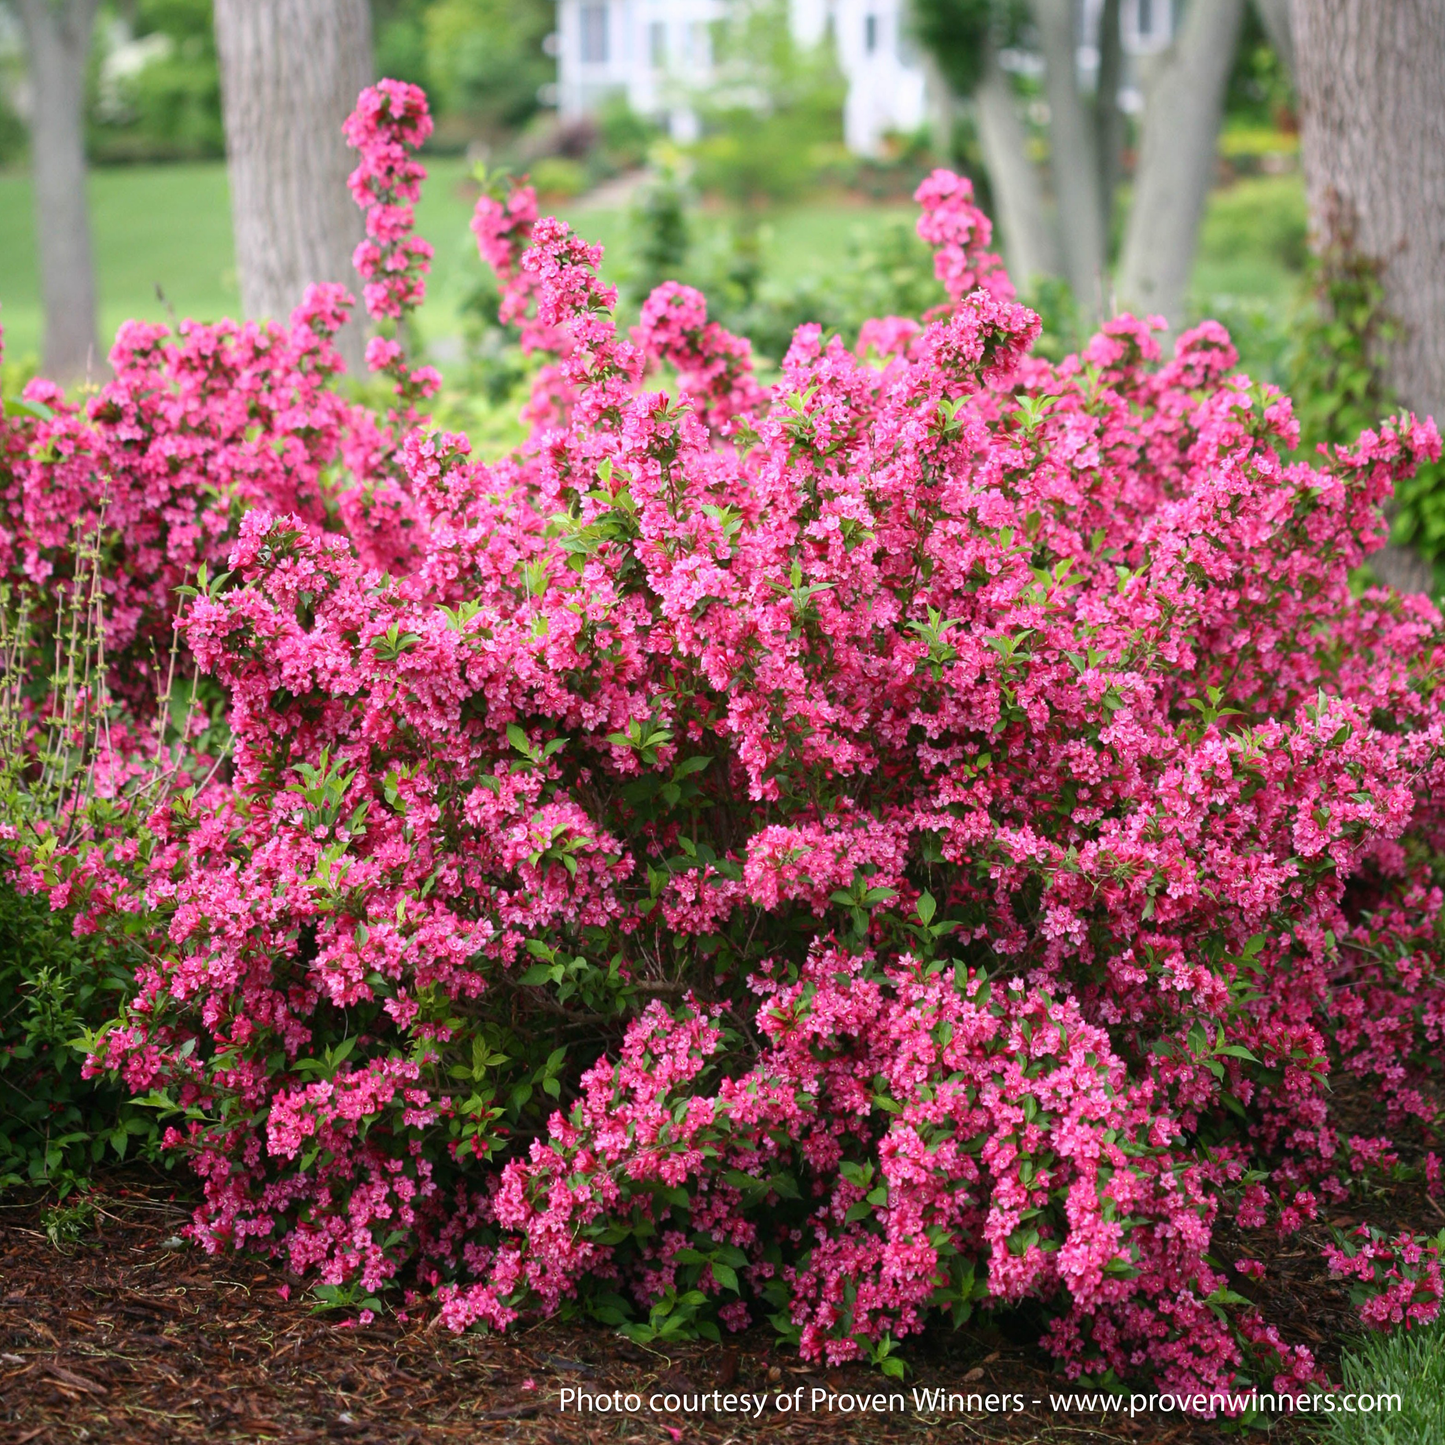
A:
x: 916, y: 838
x: 1395, y: 1281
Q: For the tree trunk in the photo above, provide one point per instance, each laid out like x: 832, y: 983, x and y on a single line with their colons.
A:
x: 1176, y: 164
x: 939, y: 105
x: 1108, y: 118
x: 57, y: 35
x: 1075, y: 158
x: 1372, y: 131
x: 1029, y: 244
x: 290, y: 74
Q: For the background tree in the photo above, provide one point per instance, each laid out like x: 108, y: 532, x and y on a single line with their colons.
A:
x: 290, y: 74
x: 962, y: 38
x: 1372, y: 130
x: 57, y: 38
x: 1182, y: 111
x: 1074, y: 154
x: 1185, y: 92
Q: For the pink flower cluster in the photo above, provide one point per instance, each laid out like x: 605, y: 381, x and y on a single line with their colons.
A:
x: 915, y: 838
x: 390, y: 122
x: 1395, y: 1279
x: 191, y: 430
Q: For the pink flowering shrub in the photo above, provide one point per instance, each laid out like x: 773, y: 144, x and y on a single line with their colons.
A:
x: 1395, y: 1280
x: 916, y: 838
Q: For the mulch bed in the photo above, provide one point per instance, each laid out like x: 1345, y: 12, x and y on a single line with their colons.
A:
x: 126, y: 1335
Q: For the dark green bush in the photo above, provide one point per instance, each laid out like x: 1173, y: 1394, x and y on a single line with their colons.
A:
x: 56, y: 1125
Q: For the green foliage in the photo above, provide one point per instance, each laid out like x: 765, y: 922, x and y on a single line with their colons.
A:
x: 1332, y: 370
x: 559, y: 178
x: 956, y: 32
x: 662, y: 234
x: 1063, y: 327
x: 13, y: 136
x: 1262, y: 222
x: 56, y: 989
x: 885, y: 270
x: 751, y: 153
x: 625, y: 137
x: 1338, y: 339
x: 1407, y: 1363
x: 60, y: 989
x: 398, y: 30
x: 169, y: 109
x: 484, y: 58
x: 1259, y: 89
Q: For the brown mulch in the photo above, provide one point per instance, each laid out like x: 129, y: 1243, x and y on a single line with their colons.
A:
x: 126, y: 1335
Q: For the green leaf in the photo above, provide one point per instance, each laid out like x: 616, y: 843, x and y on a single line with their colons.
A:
x: 726, y: 1276
x: 18, y: 406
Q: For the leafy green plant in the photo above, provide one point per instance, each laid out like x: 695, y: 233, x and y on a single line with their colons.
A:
x: 60, y: 989
x: 1333, y: 374
x: 752, y: 154
x: 55, y: 1124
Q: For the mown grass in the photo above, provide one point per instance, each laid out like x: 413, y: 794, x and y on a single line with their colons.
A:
x: 163, y: 245
x: 1410, y: 1365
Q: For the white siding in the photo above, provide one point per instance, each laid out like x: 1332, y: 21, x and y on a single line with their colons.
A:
x: 885, y: 82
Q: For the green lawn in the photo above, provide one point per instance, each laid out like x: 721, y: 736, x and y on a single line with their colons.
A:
x: 167, y: 229
x: 166, y: 226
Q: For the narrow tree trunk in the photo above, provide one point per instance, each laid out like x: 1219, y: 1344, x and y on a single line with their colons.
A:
x: 1075, y: 159
x: 1108, y: 118
x: 1372, y: 130
x: 57, y: 35
x: 1182, y: 111
x: 940, y: 106
x: 1029, y: 244
x: 290, y: 74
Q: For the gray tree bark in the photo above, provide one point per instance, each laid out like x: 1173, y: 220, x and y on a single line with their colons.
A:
x: 57, y: 36
x: 1075, y: 157
x: 1029, y: 244
x: 1372, y: 132
x: 1182, y: 110
x: 290, y: 74
x: 1108, y: 118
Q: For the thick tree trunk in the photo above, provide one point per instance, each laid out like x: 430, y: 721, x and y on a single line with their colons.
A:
x: 1182, y: 111
x: 1075, y: 158
x: 1372, y: 130
x: 290, y: 74
x: 1029, y: 244
x: 57, y: 35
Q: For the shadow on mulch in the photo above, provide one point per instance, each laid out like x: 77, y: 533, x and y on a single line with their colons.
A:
x: 128, y: 1336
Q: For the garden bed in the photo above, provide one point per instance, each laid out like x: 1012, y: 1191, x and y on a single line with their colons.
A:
x: 122, y: 1334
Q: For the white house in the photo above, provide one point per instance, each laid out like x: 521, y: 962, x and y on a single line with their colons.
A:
x: 880, y: 62
x: 656, y: 51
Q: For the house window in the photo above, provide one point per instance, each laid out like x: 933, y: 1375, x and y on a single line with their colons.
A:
x: 657, y: 43
x: 594, y: 34
x: 1146, y: 26
x: 870, y: 33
